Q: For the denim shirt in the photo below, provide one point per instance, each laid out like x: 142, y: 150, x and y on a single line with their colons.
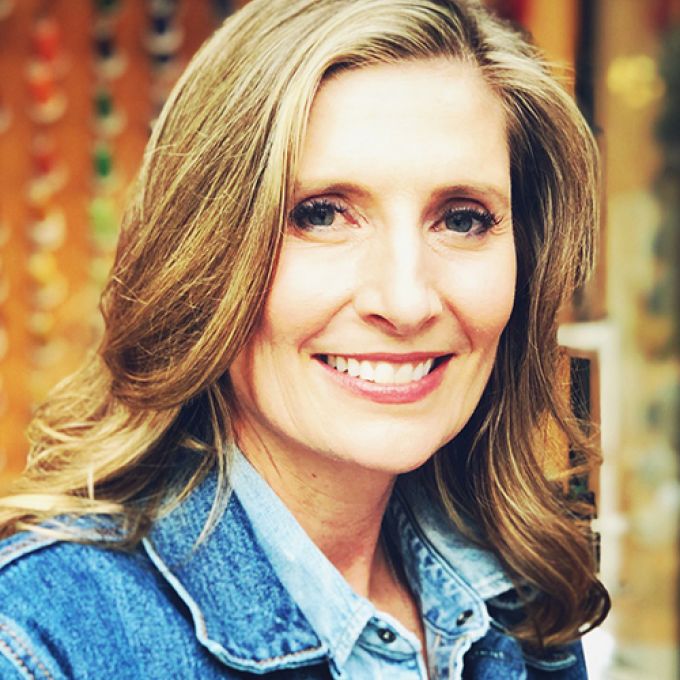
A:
x: 254, y: 597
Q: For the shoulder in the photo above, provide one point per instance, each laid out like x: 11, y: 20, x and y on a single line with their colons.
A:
x: 20, y: 657
x: 66, y: 606
x: 68, y: 572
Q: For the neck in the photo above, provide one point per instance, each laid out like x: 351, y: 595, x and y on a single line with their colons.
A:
x: 340, y: 506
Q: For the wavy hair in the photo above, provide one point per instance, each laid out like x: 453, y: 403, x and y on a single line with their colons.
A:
x: 152, y: 410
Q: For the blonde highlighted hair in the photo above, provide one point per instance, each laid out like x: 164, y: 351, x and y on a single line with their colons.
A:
x: 152, y: 410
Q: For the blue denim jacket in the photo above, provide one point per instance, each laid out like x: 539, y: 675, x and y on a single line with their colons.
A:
x: 170, y: 609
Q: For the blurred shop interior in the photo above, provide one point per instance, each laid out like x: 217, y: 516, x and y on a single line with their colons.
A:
x: 81, y: 82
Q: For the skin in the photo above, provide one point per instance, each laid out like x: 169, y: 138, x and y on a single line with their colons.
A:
x: 400, y: 150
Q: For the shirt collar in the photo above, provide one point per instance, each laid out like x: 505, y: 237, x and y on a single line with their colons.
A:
x: 424, y: 522
x: 335, y: 611
x: 299, y: 609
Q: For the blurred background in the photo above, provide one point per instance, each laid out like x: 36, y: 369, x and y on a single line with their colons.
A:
x: 81, y: 82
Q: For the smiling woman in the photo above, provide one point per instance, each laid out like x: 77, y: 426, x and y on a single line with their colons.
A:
x: 399, y: 254
x: 306, y: 446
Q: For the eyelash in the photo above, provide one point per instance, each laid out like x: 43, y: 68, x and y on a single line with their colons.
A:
x: 486, y: 220
x: 302, y: 212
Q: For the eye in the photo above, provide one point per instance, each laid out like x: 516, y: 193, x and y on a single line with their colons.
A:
x: 315, y: 213
x: 468, y: 220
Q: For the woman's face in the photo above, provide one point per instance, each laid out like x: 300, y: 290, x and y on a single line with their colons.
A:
x: 396, y: 276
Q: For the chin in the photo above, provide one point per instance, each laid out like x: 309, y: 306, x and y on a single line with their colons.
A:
x: 394, y: 456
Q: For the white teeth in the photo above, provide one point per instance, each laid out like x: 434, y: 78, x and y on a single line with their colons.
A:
x: 381, y: 372
x: 366, y: 371
x: 384, y: 373
x: 403, y: 374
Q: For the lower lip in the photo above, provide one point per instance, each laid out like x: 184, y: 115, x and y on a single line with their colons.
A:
x: 405, y: 393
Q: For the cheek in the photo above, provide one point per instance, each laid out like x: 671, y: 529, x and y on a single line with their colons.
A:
x: 494, y: 307
x: 306, y: 292
x: 309, y: 287
x: 482, y: 295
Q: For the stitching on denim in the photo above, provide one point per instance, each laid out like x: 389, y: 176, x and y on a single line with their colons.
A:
x: 286, y: 656
x: 16, y: 547
x: 16, y: 657
x: 555, y: 664
x: 16, y: 550
x: 200, y: 625
x: 462, y: 644
x: 495, y: 654
x: 27, y: 649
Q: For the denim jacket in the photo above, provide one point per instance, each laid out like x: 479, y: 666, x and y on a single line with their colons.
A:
x: 170, y: 609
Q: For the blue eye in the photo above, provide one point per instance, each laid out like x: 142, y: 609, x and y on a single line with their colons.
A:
x: 312, y: 214
x: 468, y: 220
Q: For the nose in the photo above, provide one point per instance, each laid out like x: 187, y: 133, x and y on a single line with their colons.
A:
x: 396, y: 290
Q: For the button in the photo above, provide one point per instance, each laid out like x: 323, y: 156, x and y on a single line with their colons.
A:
x: 386, y: 635
x: 463, y: 617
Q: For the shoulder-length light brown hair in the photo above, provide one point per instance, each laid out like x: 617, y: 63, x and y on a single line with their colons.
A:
x: 198, y: 247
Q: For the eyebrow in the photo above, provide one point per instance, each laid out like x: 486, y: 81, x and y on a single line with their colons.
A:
x: 330, y: 187
x: 474, y: 190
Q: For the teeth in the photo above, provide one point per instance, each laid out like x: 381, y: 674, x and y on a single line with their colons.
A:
x: 381, y: 372
x: 353, y: 367
x: 366, y: 370
x: 404, y: 374
x: 384, y: 373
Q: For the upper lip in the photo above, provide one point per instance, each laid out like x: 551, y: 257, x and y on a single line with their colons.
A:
x: 393, y: 357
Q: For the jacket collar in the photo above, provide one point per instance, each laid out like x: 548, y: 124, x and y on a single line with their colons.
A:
x: 246, y: 617
x: 241, y: 611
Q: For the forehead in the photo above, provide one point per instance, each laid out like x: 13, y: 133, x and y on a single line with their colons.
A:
x: 429, y: 116
x: 372, y: 80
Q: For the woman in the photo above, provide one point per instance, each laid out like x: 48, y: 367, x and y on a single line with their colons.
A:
x: 307, y: 445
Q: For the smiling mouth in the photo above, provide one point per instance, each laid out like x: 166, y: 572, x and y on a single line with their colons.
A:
x: 383, y: 372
